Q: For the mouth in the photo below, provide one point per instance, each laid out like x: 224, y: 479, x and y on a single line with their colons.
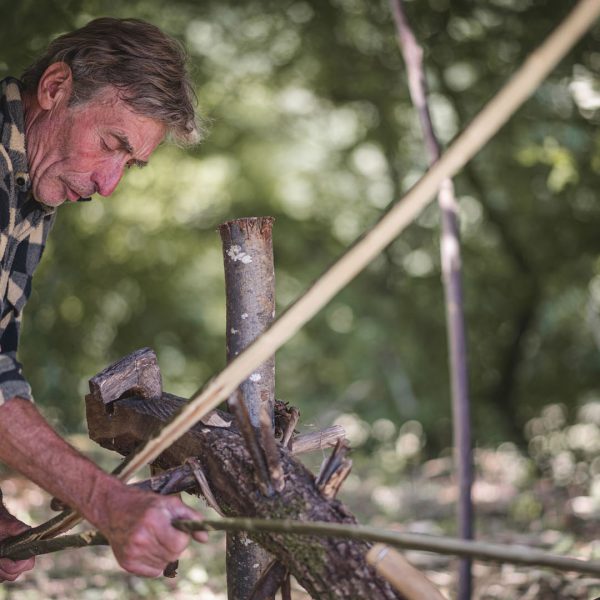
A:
x: 71, y: 194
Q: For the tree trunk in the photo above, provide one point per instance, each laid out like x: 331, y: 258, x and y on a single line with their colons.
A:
x: 327, y: 568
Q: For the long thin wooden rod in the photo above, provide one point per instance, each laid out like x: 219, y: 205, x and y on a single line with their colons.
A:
x: 468, y: 143
x: 453, y: 294
x: 514, y: 554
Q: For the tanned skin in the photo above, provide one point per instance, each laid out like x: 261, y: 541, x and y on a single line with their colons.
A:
x: 136, y: 523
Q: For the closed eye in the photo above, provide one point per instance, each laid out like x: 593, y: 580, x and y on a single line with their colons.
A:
x: 136, y: 163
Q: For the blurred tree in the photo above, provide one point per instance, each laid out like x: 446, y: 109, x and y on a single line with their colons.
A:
x: 312, y: 124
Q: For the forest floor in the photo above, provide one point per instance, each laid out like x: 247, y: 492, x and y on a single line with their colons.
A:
x: 549, y: 503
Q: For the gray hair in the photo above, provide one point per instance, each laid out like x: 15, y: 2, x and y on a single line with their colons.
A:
x: 147, y: 67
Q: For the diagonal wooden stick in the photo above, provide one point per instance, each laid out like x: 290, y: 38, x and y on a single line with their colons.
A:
x: 468, y: 143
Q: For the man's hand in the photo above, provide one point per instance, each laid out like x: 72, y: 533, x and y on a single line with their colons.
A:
x: 140, y: 533
x: 136, y: 523
x: 9, y: 526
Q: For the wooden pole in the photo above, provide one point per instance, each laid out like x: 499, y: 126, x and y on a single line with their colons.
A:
x: 453, y: 294
x: 250, y: 296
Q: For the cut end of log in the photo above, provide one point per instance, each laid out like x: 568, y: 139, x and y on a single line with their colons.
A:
x: 248, y: 225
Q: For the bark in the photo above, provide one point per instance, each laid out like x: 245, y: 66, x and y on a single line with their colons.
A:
x: 327, y: 568
x: 250, y: 298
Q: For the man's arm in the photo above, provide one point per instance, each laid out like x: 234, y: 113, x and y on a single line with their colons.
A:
x: 136, y: 523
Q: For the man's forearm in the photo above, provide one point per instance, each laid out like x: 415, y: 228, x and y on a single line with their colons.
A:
x: 29, y: 445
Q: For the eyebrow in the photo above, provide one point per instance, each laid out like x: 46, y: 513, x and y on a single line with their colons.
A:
x: 126, y: 145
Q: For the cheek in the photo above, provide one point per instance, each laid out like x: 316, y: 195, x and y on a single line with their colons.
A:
x: 81, y: 159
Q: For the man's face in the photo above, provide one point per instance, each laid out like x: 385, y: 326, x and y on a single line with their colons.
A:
x: 76, y: 151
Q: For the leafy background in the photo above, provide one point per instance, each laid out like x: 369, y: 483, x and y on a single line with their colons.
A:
x: 311, y: 123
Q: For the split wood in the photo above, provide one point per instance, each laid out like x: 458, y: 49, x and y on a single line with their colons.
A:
x: 479, y: 550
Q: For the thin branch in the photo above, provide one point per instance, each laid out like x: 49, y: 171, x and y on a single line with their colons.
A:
x: 514, y: 554
x: 286, y: 588
x: 203, y: 484
x: 453, y: 292
x: 270, y: 581
x: 270, y: 448
x: 63, y: 542
x: 252, y: 438
x: 442, y: 545
x: 288, y: 432
x: 334, y: 470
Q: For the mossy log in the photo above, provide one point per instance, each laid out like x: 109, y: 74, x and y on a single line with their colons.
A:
x: 327, y: 568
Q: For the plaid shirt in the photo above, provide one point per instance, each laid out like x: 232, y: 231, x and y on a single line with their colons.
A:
x: 24, y: 227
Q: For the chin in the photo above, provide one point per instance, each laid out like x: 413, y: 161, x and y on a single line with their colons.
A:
x: 48, y: 199
x: 49, y: 202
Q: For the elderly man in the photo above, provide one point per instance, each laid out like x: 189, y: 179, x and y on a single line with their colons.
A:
x: 99, y: 101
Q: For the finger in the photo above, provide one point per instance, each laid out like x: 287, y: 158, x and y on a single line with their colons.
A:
x: 200, y: 536
x: 172, y: 541
x: 16, y: 566
x: 7, y: 576
x: 143, y: 569
x: 185, y: 512
x: 147, y: 546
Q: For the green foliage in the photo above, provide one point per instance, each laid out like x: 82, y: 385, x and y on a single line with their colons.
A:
x: 311, y: 123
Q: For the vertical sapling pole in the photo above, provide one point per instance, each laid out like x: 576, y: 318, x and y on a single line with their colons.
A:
x: 451, y: 270
x: 250, y: 293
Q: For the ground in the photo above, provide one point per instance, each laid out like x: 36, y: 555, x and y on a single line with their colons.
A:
x: 547, y: 499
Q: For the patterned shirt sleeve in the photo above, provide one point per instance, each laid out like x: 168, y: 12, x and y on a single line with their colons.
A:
x: 27, y: 256
x: 12, y: 382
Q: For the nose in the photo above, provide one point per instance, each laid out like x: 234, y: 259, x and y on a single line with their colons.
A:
x: 107, y: 177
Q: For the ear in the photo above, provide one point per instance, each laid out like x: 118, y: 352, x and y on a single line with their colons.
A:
x: 55, y: 86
